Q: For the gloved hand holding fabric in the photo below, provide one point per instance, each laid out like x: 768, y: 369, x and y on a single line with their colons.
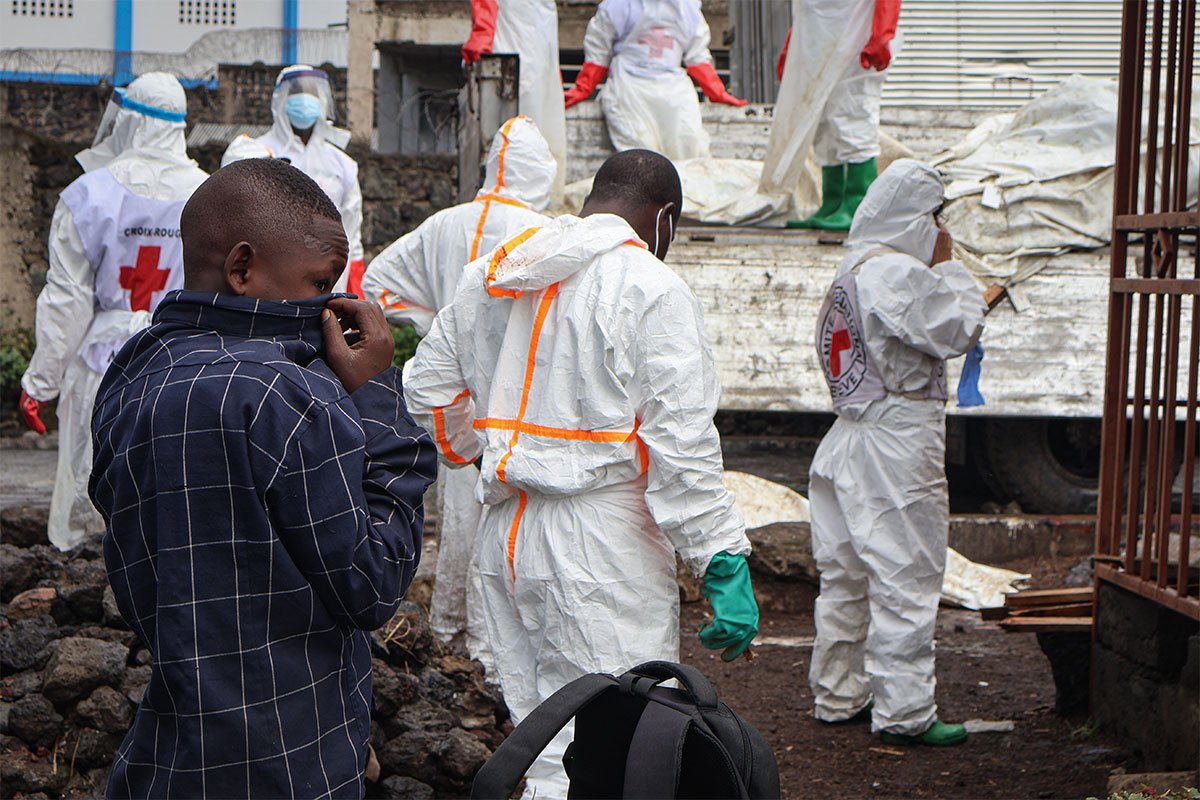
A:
x: 710, y: 83
x: 589, y: 78
x: 30, y: 409
x: 877, y: 52
x: 728, y: 588
x: 483, y: 29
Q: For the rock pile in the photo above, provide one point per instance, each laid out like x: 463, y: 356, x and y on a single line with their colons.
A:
x: 71, y: 674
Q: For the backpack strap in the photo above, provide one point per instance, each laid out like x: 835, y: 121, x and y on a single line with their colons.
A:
x: 656, y: 753
x: 497, y: 778
x: 691, y: 679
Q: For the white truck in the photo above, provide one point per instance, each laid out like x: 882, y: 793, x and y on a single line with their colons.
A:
x: 1036, y: 440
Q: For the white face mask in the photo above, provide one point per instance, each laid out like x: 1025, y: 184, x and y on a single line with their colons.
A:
x: 670, y: 227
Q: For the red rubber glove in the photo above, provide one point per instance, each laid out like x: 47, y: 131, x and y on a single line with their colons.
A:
x: 783, y: 55
x: 710, y: 84
x: 877, y: 54
x: 30, y: 409
x: 589, y: 77
x: 483, y: 29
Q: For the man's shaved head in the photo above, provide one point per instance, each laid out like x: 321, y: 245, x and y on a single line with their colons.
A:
x: 266, y: 210
x: 642, y: 187
x: 639, y: 178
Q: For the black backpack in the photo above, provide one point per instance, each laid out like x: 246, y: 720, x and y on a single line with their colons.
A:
x: 636, y: 739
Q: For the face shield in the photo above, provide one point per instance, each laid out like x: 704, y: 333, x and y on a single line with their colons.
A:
x: 149, y: 113
x: 302, y: 98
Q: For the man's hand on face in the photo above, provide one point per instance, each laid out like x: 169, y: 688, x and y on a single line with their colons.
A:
x: 363, y: 355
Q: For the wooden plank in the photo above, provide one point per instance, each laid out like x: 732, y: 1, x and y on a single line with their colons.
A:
x: 1064, y: 610
x: 1041, y: 597
x: 994, y: 614
x: 1046, y: 624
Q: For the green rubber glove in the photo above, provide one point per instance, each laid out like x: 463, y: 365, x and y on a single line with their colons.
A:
x: 727, y: 587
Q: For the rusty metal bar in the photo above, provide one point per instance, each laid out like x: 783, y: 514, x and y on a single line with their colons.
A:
x: 1169, y: 129
x: 1189, y: 455
x: 1173, y: 286
x: 1184, y: 114
x: 1136, y: 446
x: 1184, y: 605
x: 1149, y: 517
x: 1166, y: 464
x: 1170, y: 220
x: 1152, y: 115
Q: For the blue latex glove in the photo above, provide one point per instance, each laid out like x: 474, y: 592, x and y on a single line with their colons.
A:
x: 735, y: 612
x: 968, y: 381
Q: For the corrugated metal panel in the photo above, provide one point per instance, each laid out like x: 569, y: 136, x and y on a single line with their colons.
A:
x: 999, y: 53
x: 759, y: 28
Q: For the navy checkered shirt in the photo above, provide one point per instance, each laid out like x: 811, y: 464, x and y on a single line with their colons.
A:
x: 260, y: 521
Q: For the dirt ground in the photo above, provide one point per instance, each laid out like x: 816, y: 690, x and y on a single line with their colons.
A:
x: 983, y: 673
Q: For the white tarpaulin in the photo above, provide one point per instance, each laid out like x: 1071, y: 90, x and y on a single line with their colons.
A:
x: 1023, y: 187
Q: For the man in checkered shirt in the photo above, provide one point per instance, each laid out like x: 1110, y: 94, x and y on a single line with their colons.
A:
x: 261, y: 481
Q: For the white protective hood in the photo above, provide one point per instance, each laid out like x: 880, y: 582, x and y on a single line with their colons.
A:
x: 520, y: 165
x: 309, y: 79
x: 897, y: 211
x: 557, y: 251
x: 148, y: 115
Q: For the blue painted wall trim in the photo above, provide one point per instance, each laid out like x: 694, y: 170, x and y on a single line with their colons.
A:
x: 122, y: 42
x: 86, y: 79
x: 290, y: 20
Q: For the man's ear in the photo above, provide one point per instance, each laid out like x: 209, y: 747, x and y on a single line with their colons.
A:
x: 238, y: 266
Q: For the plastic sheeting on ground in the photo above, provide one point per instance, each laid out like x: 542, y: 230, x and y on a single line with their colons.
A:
x: 724, y: 191
x: 976, y: 586
x: 762, y: 502
x: 1026, y: 186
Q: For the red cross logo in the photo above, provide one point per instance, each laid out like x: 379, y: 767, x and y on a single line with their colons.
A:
x: 841, y: 341
x: 657, y: 40
x: 145, y: 279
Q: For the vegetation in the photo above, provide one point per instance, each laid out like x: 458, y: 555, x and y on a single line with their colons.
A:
x: 406, y: 343
x: 16, y: 347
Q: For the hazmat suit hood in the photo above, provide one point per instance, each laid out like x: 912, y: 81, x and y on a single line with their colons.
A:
x: 897, y: 211
x: 303, y: 79
x: 146, y: 116
x: 520, y: 164
x: 539, y: 257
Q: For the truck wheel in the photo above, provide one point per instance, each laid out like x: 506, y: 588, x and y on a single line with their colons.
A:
x: 1049, y: 466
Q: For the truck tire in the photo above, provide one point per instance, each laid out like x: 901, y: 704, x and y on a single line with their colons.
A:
x: 1049, y: 466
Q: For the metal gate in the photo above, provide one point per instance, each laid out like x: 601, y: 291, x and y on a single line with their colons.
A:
x: 1150, y: 404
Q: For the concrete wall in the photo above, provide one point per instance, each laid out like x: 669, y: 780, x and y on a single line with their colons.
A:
x: 1146, y: 680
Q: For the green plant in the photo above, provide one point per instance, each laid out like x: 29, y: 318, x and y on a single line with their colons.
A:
x: 406, y: 343
x: 16, y: 347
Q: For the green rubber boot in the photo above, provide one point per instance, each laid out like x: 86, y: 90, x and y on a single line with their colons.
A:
x: 939, y: 735
x: 858, y: 179
x: 833, y: 187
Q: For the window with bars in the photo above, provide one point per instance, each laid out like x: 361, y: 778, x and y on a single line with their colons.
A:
x: 208, y: 12
x: 43, y: 8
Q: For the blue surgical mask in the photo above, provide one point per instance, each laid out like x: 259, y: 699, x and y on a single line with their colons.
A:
x: 303, y: 110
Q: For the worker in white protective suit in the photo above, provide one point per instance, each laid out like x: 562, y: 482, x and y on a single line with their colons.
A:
x: 832, y: 71
x: 576, y: 364
x: 880, y: 511
x: 528, y: 28
x: 302, y: 132
x: 648, y: 100
x: 114, y: 252
x: 413, y: 279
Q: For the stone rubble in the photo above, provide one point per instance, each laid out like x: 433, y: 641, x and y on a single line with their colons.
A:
x: 71, y: 674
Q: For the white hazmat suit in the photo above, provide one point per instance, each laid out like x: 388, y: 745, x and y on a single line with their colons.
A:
x: 648, y: 100
x: 880, y: 510
x: 576, y: 364
x: 114, y: 252
x: 413, y: 279
x: 827, y: 99
x: 321, y: 159
x: 528, y: 28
